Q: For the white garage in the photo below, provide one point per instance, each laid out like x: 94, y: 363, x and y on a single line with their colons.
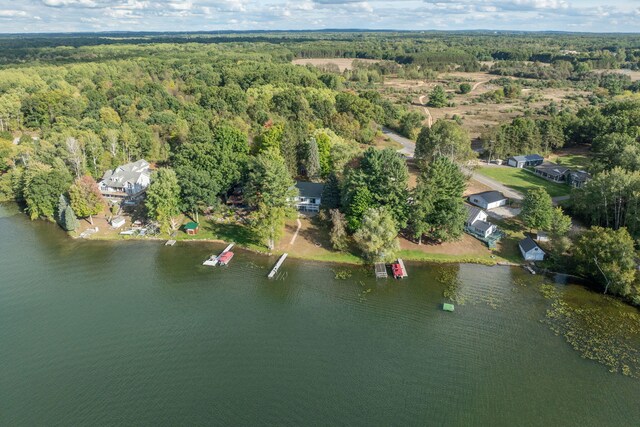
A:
x: 488, y: 199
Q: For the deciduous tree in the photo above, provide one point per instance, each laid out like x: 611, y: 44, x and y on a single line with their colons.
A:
x: 537, y: 209
x: 608, y: 257
x: 86, y: 199
x: 377, y: 237
x: 163, y: 199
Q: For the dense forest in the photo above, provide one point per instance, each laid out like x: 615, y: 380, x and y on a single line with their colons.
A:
x: 221, y: 114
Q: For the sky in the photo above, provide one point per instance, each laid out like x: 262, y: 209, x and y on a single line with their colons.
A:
x: 20, y: 16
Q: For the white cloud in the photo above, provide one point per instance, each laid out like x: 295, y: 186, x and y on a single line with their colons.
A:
x: 12, y: 13
x: 181, y: 15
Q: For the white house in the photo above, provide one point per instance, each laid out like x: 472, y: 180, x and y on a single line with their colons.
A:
x: 127, y: 182
x: 488, y: 199
x: 477, y: 222
x: 530, y: 250
x: 310, y: 196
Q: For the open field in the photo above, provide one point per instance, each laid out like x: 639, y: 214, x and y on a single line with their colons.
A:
x: 522, y: 180
x: 341, y: 63
x: 573, y: 158
x: 477, y: 115
x: 634, y: 74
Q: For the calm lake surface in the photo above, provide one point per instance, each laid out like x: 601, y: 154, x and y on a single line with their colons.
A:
x: 135, y: 333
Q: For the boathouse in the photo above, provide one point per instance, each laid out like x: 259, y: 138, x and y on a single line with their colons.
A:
x: 530, y: 250
x: 191, y: 228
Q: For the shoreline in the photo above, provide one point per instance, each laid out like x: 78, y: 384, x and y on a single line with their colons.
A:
x: 333, y: 258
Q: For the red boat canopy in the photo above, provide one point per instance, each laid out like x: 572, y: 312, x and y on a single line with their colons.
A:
x: 225, y: 257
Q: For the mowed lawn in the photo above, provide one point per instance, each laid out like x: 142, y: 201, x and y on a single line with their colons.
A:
x: 521, y: 180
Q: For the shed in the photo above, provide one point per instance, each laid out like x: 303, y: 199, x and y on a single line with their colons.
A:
x: 542, y: 236
x: 530, y: 250
x: 117, y: 221
x: 191, y: 228
x: 488, y: 199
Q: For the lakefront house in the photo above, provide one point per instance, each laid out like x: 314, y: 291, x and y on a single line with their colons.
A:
x: 126, y: 183
x: 309, y: 196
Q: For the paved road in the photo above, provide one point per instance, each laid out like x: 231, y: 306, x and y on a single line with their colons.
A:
x: 408, y: 146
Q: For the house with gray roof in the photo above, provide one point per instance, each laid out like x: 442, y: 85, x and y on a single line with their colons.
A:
x: 552, y: 172
x: 529, y: 160
x: 477, y: 223
x: 309, y: 197
x: 530, y: 250
x: 488, y: 199
x: 127, y: 182
x: 578, y: 178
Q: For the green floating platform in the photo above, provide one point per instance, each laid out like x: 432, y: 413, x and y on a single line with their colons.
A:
x: 448, y: 307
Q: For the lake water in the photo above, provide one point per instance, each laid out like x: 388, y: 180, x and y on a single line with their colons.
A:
x: 135, y: 333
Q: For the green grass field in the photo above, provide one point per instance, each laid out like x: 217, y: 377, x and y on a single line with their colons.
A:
x: 574, y: 161
x: 521, y: 180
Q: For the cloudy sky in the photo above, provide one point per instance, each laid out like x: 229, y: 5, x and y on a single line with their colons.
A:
x: 179, y: 15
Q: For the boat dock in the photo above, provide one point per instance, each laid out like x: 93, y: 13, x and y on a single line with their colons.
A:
x: 399, y: 270
x: 170, y: 243
x: 381, y: 270
x: 276, y: 267
x: 214, y: 260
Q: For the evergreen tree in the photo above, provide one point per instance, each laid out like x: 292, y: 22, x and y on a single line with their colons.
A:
x: 270, y: 191
x: 360, y: 203
x: 385, y: 175
x: 324, y: 153
x: 438, y: 210
x: 339, y: 238
x: 331, y: 193
x: 62, y: 208
x: 70, y: 220
x: 438, y: 97
x: 313, y: 160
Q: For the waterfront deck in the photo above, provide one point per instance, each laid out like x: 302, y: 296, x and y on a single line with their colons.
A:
x: 381, y: 270
x: 213, y: 260
x: 276, y: 267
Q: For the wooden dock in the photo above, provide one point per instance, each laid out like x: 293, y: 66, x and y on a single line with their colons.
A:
x: 213, y: 260
x: 276, y: 267
x: 381, y: 270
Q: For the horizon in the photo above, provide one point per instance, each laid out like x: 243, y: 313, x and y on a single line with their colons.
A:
x: 314, y: 30
x: 97, y: 16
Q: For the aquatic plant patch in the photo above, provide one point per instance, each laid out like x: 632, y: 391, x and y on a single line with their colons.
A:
x: 606, y: 330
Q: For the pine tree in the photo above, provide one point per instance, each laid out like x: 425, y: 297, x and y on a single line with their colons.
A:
x: 338, y: 230
x: 313, y: 160
x: 70, y: 221
x: 438, y: 210
x: 438, y: 97
x: 62, y: 207
x: 331, y: 193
